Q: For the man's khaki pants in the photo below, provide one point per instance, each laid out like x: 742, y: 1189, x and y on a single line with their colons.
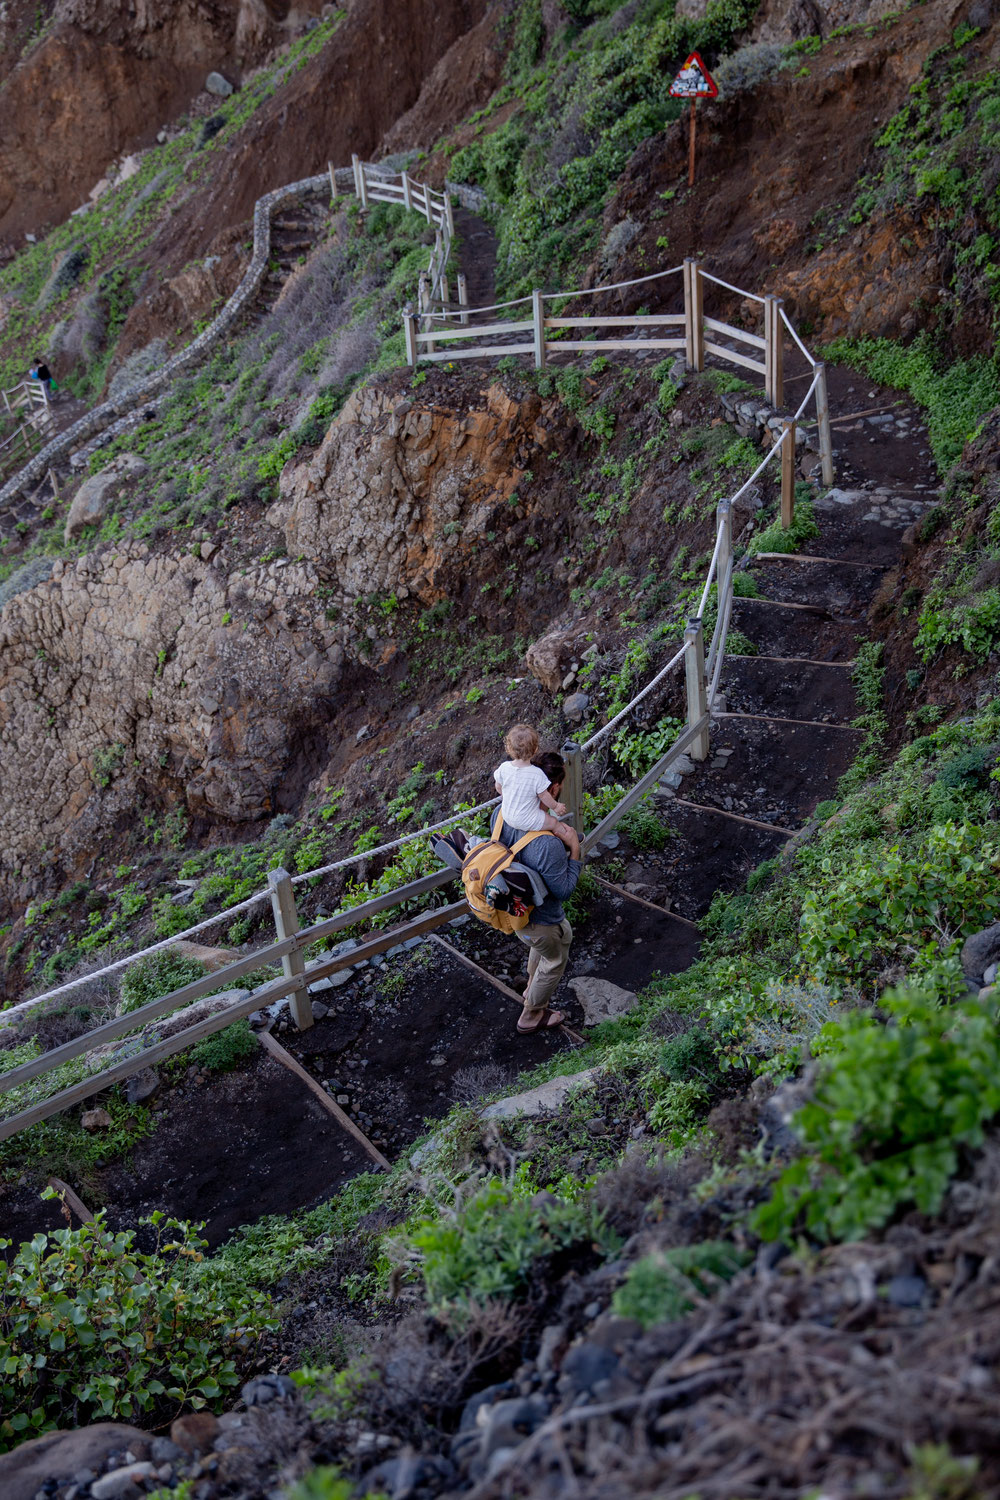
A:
x: 549, y: 953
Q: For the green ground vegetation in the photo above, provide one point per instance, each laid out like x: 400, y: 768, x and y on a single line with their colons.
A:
x: 581, y: 105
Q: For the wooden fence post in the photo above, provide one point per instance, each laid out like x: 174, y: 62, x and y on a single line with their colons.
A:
x: 787, y: 474
x: 538, y: 314
x: 572, y: 791
x: 823, y: 421
x: 697, y: 696
x: 448, y: 214
x: 286, y: 920
x: 359, y: 181
x: 694, y: 326
x: 333, y: 180
x: 463, y: 297
x: 407, y: 195
x: 424, y: 305
x: 774, y: 339
x: 410, y: 330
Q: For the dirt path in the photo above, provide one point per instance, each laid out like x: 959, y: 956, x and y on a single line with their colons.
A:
x: 477, y: 254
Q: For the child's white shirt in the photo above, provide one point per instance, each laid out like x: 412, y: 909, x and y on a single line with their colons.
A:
x: 521, y: 787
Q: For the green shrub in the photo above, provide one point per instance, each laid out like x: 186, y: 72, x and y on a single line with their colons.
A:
x: 638, y: 752
x: 892, y: 1108
x: 645, y: 828
x: 663, y: 1287
x: 226, y: 1049
x: 488, y: 1247
x: 90, y: 1329
x: 155, y: 976
x: 916, y: 903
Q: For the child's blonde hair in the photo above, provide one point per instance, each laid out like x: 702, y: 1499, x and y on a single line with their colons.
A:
x: 521, y: 742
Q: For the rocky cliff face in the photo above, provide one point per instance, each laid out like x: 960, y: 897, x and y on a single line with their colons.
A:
x: 397, y: 488
x: 131, y: 673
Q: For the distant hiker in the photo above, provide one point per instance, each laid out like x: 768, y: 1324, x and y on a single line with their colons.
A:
x: 548, y: 936
x: 524, y: 787
x: 41, y: 372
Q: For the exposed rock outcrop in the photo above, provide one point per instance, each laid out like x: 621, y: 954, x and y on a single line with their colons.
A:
x: 396, y: 488
x: 129, y: 673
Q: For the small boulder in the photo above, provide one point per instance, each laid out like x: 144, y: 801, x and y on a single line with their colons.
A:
x: 195, y: 1432
x: 217, y: 85
x: 61, y: 1455
x: 536, y: 1101
x: 979, y: 952
x: 601, y: 1000
x: 93, y: 499
x: 575, y: 707
x: 549, y: 657
x: 95, y: 1119
x: 142, y: 1086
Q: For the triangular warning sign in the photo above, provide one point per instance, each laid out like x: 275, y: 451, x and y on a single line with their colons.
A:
x: 694, y: 81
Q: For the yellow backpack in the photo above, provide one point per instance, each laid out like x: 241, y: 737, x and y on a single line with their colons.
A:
x: 489, y: 897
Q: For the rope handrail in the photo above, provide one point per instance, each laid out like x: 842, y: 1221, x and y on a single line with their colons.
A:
x: 613, y: 286
x: 788, y: 324
x: 730, y: 288
x: 600, y: 734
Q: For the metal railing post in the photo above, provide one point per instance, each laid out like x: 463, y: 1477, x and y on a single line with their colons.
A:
x: 538, y: 316
x: 823, y: 421
x: 694, y: 326
x: 572, y: 790
x: 697, y: 695
x: 787, y: 474
x: 286, y: 921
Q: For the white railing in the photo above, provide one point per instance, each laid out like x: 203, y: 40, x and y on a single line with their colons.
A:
x: 30, y: 393
x: 701, y: 673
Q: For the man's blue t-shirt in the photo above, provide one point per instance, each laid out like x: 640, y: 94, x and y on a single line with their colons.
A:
x: 548, y: 855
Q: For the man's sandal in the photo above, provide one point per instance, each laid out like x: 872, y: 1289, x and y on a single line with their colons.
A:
x: 546, y: 1019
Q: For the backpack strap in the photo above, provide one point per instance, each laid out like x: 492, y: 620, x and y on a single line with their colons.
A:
x: 537, y: 834
x: 515, y: 848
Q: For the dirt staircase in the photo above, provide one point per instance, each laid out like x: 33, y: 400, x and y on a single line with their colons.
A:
x: 295, y: 232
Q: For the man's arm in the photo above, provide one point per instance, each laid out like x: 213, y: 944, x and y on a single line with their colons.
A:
x: 558, y: 867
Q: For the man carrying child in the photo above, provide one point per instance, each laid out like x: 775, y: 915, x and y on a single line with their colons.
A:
x: 527, y: 790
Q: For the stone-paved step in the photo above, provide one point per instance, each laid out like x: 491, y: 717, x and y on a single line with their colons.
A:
x: 865, y: 524
x: 777, y: 771
x: 778, y: 629
x: 789, y: 689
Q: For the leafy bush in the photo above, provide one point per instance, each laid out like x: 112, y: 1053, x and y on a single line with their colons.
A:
x: 639, y: 751
x: 916, y: 903
x: 488, y: 1246
x: 226, y: 1049
x: 645, y: 828
x: 155, y: 976
x: 892, y: 1108
x: 972, y: 623
x: 663, y: 1287
x: 748, y: 68
x: 91, y: 1329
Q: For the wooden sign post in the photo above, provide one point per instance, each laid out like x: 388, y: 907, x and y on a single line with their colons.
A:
x: 693, y: 82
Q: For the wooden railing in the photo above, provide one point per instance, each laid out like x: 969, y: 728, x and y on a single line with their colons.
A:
x: 702, y: 669
x: 30, y: 393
